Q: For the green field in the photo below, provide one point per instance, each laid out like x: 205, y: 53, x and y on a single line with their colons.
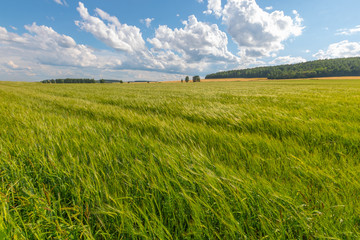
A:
x: 226, y: 160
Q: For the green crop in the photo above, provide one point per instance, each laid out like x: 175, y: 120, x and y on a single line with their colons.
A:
x: 214, y: 160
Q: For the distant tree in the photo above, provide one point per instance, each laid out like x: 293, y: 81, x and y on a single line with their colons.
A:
x: 121, y: 81
x: 187, y: 79
x: 196, y: 79
x: 70, y: 80
x: 102, y: 81
x: 182, y: 80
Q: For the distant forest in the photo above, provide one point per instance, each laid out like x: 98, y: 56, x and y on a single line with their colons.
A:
x: 320, y: 68
x: 70, y: 80
x: 81, y: 80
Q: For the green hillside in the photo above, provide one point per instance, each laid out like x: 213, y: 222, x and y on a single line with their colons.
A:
x: 319, y: 68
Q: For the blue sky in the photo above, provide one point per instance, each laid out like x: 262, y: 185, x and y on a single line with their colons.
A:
x: 167, y: 40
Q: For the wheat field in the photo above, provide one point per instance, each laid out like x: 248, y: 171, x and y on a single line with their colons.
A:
x: 211, y: 160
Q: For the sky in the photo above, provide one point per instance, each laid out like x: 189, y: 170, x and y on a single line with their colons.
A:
x: 169, y: 39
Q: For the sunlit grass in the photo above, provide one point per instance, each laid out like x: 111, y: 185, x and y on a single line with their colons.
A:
x: 226, y: 160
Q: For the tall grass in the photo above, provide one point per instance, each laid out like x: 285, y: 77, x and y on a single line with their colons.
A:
x: 240, y: 160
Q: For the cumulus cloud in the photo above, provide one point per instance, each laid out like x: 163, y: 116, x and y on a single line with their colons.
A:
x: 109, y: 30
x: 340, y: 50
x: 197, y: 47
x: 195, y: 42
x: 348, y: 31
x: 287, y: 60
x: 6, y: 36
x: 42, y: 44
x: 214, y: 7
x: 193, y: 48
x: 126, y: 40
x: 57, y: 48
x: 257, y: 32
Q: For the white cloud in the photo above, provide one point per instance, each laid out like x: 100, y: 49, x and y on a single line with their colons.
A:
x: 12, y: 65
x: 61, y: 2
x: 214, y: 7
x: 121, y: 37
x: 259, y: 33
x: 195, y: 42
x: 348, y: 31
x: 6, y: 36
x: 147, y: 21
x: 126, y: 40
x: 55, y: 48
x: 340, y: 50
x: 193, y: 48
x: 43, y: 45
x: 287, y: 60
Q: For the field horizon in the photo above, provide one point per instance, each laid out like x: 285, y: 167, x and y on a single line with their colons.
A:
x: 274, y: 159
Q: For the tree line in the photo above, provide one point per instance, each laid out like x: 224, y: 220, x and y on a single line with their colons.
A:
x: 70, y: 80
x: 319, y: 68
x: 80, y: 80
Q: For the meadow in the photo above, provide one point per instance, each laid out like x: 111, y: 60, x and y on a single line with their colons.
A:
x: 214, y: 160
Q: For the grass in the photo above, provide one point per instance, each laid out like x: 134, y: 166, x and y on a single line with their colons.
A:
x: 215, y: 160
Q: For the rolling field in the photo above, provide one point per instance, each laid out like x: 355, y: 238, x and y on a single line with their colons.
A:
x: 213, y: 160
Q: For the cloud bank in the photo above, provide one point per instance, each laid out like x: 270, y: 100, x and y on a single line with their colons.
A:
x: 341, y: 49
x: 349, y: 31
